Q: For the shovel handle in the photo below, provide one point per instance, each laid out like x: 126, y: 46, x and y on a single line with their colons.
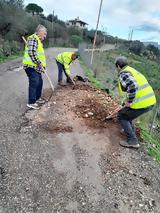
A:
x: 25, y: 41
x: 114, y: 112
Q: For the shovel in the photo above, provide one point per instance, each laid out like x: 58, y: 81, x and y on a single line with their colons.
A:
x: 114, y: 113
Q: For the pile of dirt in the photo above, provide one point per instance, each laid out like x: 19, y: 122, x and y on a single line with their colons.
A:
x: 95, y: 109
x: 94, y: 106
x: 86, y: 102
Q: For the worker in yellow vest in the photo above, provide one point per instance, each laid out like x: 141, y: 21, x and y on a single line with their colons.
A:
x: 140, y: 99
x: 64, y: 60
x: 33, y: 63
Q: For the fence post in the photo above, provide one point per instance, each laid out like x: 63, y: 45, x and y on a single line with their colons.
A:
x: 153, y: 121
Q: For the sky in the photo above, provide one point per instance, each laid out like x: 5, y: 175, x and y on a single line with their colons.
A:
x: 117, y: 18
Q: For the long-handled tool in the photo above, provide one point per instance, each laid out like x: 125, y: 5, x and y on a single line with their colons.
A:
x: 48, y: 78
x: 71, y: 80
x: 112, y: 115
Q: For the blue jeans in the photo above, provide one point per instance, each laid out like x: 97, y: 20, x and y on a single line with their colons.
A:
x: 35, y: 85
x: 61, y: 69
x: 125, y: 117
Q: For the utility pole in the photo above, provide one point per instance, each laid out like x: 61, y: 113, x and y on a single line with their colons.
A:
x: 95, y: 35
x: 130, y: 35
x: 52, y: 19
x: 104, y: 29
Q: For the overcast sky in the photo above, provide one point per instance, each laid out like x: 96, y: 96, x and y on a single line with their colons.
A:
x: 117, y: 16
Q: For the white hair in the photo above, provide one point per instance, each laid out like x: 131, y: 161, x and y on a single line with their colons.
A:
x: 41, y: 28
x: 121, y: 61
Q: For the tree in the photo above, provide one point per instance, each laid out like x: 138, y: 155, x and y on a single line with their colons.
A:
x: 90, y: 35
x: 34, y: 9
x: 43, y: 16
x: 136, y: 47
x: 17, y: 3
x: 52, y: 18
x: 75, y: 40
x: 153, y: 50
x: 74, y: 31
x: 11, y: 21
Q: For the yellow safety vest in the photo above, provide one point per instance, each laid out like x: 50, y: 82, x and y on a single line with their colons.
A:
x: 40, y: 53
x: 65, y: 59
x: 145, y: 96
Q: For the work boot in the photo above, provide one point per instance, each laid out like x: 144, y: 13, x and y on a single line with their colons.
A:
x: 40, y: 101
x: 33, y: 106
x: 60, y: 83
x: 130, y: 144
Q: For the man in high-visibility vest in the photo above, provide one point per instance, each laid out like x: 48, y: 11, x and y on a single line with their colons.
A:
x: 34, y: 61
x: 140, y: 99
x: 64, y: 60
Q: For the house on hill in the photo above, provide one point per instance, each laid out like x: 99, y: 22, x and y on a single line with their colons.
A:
x: 76, y: 23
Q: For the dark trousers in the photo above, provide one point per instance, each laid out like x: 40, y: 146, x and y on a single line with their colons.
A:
x: 35, y: 85
x: 125, y: 117
x: 61, y: 69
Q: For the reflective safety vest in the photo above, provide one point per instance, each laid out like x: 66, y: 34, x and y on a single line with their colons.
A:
x: 145, y: 96
x: 65, y: 59
x: 40, y: 53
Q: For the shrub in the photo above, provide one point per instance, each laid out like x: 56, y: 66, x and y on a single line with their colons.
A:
x: 75, y: 40
x: 6, y: 48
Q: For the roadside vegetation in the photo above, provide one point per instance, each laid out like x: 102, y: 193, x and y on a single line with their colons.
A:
x: 16, y: 21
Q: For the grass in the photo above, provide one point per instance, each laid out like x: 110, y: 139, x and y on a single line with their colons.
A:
x: 152, y: 141
x: 90, y: 75
x: 12, y: 57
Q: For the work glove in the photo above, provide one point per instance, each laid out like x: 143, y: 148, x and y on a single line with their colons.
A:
x: 40, y: 68
x: 70, y: 80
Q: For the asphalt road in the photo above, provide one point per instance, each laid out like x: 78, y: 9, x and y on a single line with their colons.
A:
x: 73, y: 172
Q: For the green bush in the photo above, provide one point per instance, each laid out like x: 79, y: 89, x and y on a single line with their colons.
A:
x: 15, y: 47
x: 75, y: 40
x: 1, y: 54
x: 6, y: 48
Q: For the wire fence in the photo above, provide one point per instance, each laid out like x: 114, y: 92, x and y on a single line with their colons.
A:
x: 103, y: 69
x: 102, y: 66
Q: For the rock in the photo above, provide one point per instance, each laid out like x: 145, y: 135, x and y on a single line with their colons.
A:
x: 116, y: 205
x: 146, y: 208
x: 154, y: 146
x: 152, y: 203
x: 86, y: 115
x: 130, y: 172
x: 90, y: 113
x: 138, y: 211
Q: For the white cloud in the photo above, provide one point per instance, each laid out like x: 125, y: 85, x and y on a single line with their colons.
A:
x: 115, y: 14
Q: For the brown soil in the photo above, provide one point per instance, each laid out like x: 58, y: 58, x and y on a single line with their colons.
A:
x: 86, y: 102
